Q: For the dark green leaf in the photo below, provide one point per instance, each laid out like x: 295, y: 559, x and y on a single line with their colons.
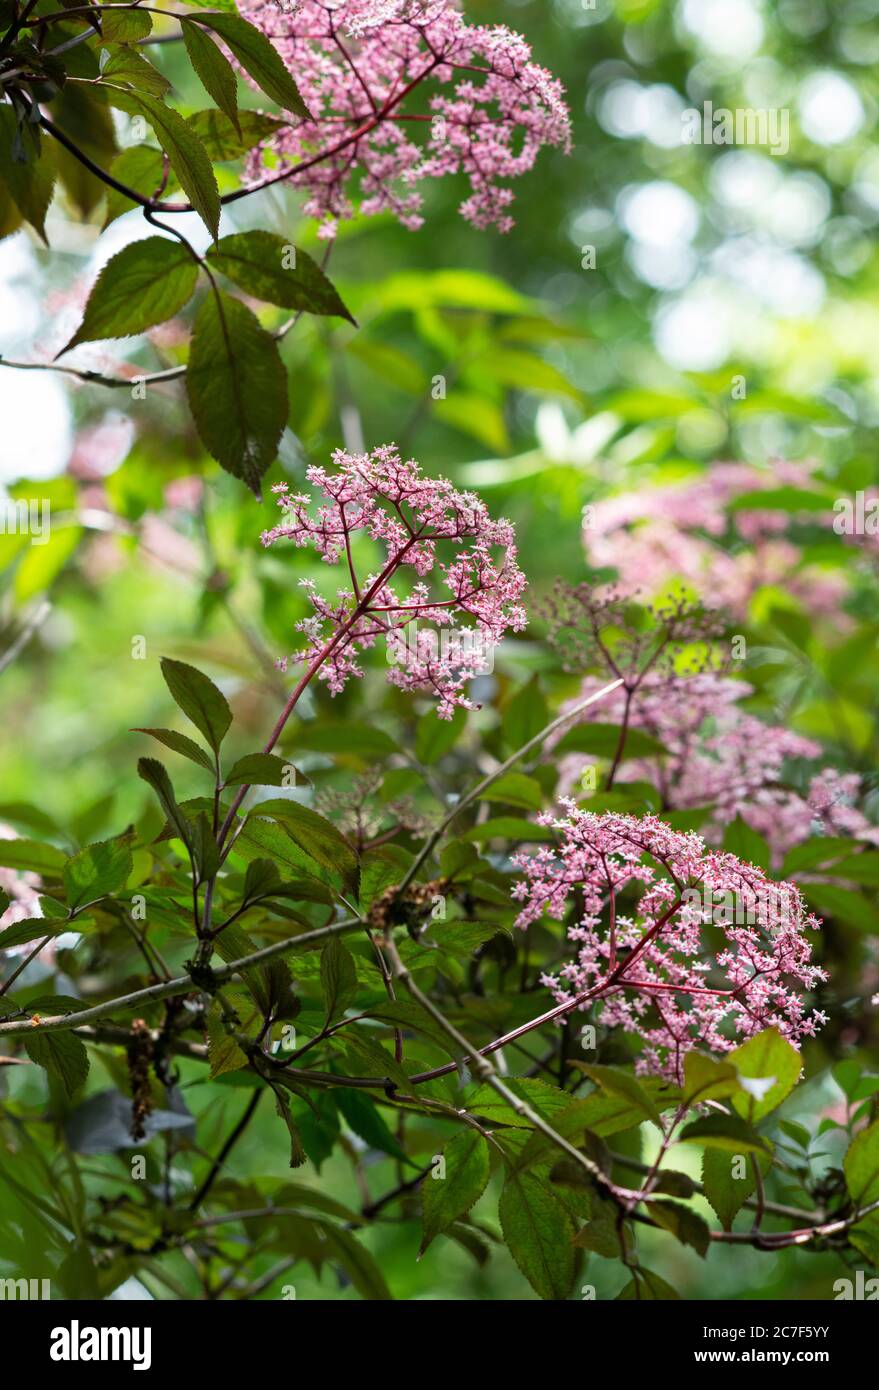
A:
x: 268, y: 267
x: 62, y: 1054
x: 212, y: 68
x: 188, y: 159
x: 683, y: 1224
x: 451, y: 1188
x: 221, y: 139
x: 237, y: 388
x: 199, y: 699
x: 539, y: 1232
x: 728, y: 1132
x: 30, y: 184
x: 262, y: 770
x: 728, y: 1180
x: 338, y: 977
x: 258, y: 58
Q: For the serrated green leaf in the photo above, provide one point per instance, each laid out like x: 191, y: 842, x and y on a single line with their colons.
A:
x: 96, y: 872
x: 32, y: 856
x: 765, y: 1058
x: 450, y: 1189
x: 261, y: 770
x: 146, y: 283
x: 212, y: 68
x: 179, y: 743
x: 188, y: 158
x: 259, y: 59
x: 724, y: 1187
x: 30, y: 184
x: 338, y: 977
x: 62, y: 1054
x: 861, y: 1165
x: 220, y: 138
x: 237, y: 388
x: 266, y: 266
x: 538, y: 1232
x: 199, y: 699
x: 140, y: 168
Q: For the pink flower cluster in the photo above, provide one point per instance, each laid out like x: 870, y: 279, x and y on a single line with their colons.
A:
x: 423, y: 526
x: 720, y: 756
x: 688, y: 532
x: 646, y: 902
x: 359, y: 65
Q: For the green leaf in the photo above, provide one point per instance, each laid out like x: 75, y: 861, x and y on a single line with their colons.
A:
x: 31, y: 183
x: 538, y: 1232
x: 188, y: 159
x: 859, y: 868
x: 124, y: 26
x: 842, y: 904
x: 179, y: 743
x: 317, y: 836
x: 547, y: 1100
x: 706, y: 1078
x: 221, y: 139
x: 223, y: 1051
x: 645, y: 1286
x: 262, y: 770
x: 152, y: 771
x: 28, y: 930
x: 766, y: 1058
x: 602, y: 741
x: 861, y: 1165
x: 683, y: 1224
x: 616, y: 1082
x: 434, y: 737
x: 32, y: 857
x: 212, y: 68
x: 365, y: 1120
x: 509, y: 828
x: 259, y: 59
x: 525, y: 715
x: 96, y: 872
x: 266, y: 266
x: 126, y: 65
x: 338, y: 977
x: 237, y: 388
x: 146, y: 283
x: 139, y: 168
x: 602, y: 1234
x: 739, y: 839
x: 726, y: 1191
x: 515, y: 789
x: 199, y: 699
x: 62, y: 1054
x: 359, y: 1265
x: 297, y: 1152
x: 728, y: 1132
x: 450, y: 1189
